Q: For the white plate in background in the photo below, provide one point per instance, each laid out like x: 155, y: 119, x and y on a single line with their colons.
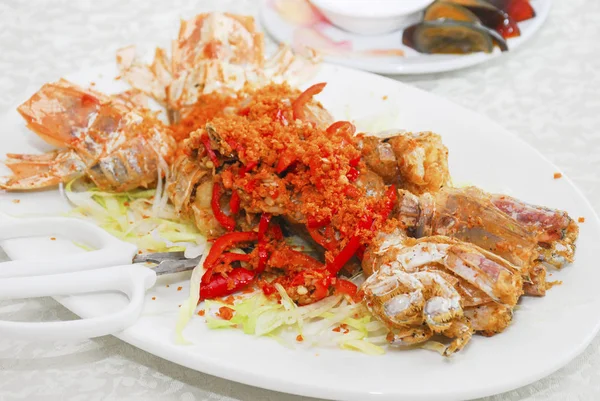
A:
x: 412, y: 62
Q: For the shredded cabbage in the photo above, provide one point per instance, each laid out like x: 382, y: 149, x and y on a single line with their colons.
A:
x: 255, y: 314
x: 133, y: 217
x: 187, y: 309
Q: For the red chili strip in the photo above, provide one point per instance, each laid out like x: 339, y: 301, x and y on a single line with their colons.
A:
x: 226, y: 221
x: 305, y: 97
x: 234, y: 202
x: 336, y: 126
x: 344, y: 256
x: 352, y: 174
x: 225, y: 242
x: 312, y: 222
x: 211, y: 153
x: 285, y: 161
x: 219, y: 286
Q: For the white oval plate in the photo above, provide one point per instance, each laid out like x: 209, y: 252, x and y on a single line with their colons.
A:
x: 545, y: 335
x: 412, y: 62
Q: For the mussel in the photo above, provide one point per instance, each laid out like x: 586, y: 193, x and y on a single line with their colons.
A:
x: 451, y: 37
x: 490, y: 16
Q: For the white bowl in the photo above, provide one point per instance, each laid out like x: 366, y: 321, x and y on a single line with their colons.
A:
x: 371, y: 17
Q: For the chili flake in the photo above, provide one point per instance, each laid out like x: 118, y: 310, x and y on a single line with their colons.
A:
x: 225, y: 313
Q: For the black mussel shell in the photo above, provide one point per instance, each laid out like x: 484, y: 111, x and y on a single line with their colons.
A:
x: 451, y: 37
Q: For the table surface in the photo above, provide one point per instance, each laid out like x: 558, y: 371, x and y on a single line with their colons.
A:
x: 546, y: 92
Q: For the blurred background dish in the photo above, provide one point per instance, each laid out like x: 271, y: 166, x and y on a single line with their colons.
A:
x: 445, y: 35
x: 371, y: 17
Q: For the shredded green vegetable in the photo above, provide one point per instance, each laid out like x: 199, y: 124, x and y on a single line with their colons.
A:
x: 129, y: 216
x: 261, y: 316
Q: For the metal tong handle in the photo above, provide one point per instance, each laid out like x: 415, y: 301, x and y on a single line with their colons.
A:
x: 132, y: 280
x: 109, y: 251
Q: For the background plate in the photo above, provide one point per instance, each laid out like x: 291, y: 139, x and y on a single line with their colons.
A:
x: 546, y: 332
x: 413, y: 62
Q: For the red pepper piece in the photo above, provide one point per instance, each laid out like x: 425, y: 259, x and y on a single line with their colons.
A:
x: 211, y: 153
x: 311, y: 222
x: 345, y: 287
x: 344, y: 256
x: 327, y: 241
x: 225, y: 242
x: 321, y: 288
x: 352, y: 174
x: 285, y: 161
x: 320, y: 279
x: 305, y: 97
x: 234, y: 203
x: 338, y: 125
x: 263, y: 225
x: 206, y: 276
x: 219, y: 286
x: 226, y: 221
x: 276, y: 232
x: 354, y: 162
x: 268, y: 289
x: 248, y: 167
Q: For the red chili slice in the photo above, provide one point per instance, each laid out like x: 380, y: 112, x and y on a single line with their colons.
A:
x: 211, y: 153
x: 305, y: 97
x: 226, y: 221
x: 338, y: 125
x: 219, y: 286
x: 225, y: 242
x: 234, y: 202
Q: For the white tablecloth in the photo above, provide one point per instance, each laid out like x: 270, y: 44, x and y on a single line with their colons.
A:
x: 548, y: 92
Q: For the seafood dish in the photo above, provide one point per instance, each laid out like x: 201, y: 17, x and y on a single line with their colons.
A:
x: 300, y: 216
